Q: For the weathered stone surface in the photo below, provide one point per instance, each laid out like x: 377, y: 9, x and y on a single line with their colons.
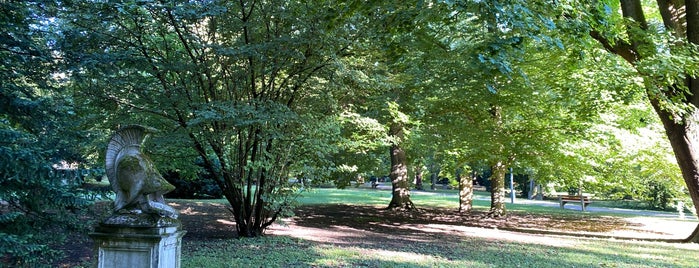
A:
x: 144, y: 230
x: 135, y: 180
x: 120, y: 244
x: 139, y: 220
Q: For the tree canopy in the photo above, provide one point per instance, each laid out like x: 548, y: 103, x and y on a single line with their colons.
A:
x: 259, y: 94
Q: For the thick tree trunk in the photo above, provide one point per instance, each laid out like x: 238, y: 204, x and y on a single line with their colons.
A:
x: 685, y: 144
x: 466, y: 192
x: 690, y: 163
x: 497, y: 168
x: 399, y: 173
x: 497, y: 191
x: 681, y: 130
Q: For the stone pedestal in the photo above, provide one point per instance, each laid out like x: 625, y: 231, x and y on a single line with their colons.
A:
x: 143, y: 240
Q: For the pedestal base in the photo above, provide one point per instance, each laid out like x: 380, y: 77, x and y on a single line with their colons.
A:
x: 143, y: 240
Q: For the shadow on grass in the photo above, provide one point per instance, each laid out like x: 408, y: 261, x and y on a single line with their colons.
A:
x: 445, y: 238
x: 367, y: 236
x: 362, y: 217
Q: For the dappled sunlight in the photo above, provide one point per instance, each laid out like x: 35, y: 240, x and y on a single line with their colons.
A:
x: 494, y: 233
x: 209, y: 219
x: 646, y: 252
x: 685, y: 246
x: 331, y: 234
x: 227, y: 222
x: 378, y: 254
x: 387, y: 255
x: 334, y: 235
x: 191, y: 210
x: 339, y: 235
x: 378, y: 220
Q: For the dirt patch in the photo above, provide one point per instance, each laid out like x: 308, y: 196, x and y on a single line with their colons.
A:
x: 344, y: 224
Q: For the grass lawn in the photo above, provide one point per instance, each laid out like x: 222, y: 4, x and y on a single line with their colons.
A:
x: 477, y: 251
x: 358, y: 239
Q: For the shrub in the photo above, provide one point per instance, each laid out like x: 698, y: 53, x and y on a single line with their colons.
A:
x: 660, y: 194
x: 36, y: 210
x: 200, y: 187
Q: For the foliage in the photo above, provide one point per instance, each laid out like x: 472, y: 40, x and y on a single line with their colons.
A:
x: 645, y: 168
x: 661, y: 42
x: 201, y: 187
x: 244, y: 86
x: 455, y: 64
x: 264, y: 91
x: 383, y: 84
x: 497, y: 93
x: 36, y: 136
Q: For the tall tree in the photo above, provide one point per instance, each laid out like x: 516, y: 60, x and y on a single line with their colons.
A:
x: 400, y: 197
x: 498, y: 95
x: 36, y: 136
x: 665, y: 54
x: 385, y: 54
x: 243, y: 83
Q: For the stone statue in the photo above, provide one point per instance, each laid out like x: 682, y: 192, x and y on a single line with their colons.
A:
x: 139, y: 187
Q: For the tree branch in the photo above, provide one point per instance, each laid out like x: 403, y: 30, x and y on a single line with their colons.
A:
x: 619, y: 47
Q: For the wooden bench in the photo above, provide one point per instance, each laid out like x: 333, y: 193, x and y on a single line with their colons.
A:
x: 583, y: 200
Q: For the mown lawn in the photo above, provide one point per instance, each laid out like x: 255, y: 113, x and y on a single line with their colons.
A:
x: 282, y: 251
x: 367, y: 241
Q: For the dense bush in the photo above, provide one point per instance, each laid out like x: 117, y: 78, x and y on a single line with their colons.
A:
x: 661, y: 194
x: 37, y: 205
x: 37, y: 133
x: 200, y: 187
x: 483, y: 178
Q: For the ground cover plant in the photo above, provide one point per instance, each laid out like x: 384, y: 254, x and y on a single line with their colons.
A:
x: 349, y: 228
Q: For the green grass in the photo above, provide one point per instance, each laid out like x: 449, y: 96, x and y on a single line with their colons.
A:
x: 282, y: 251
x: 478, y: 250
x: 444, y: 199
x: 438, y: 198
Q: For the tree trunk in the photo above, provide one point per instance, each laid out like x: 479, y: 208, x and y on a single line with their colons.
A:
x: 684, y: 141
x: 683, y: 137
x: 418, y: 177
x: 498, y: 168
x: 434, y: 175
x: 466, y: 192
x: 399, y: 173
x: 497, y: 191
x: 681, y: 129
